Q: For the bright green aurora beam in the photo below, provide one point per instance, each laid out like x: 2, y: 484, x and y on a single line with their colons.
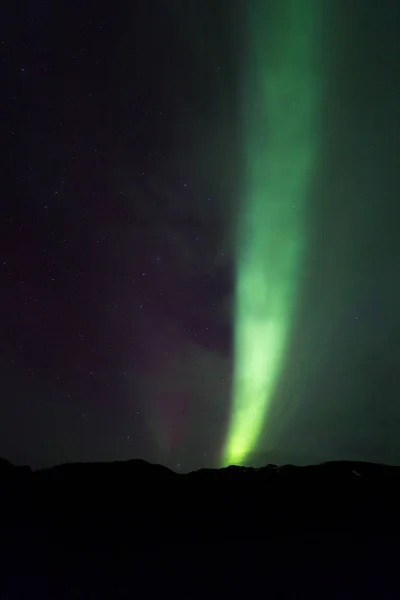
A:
x: 280, y: 125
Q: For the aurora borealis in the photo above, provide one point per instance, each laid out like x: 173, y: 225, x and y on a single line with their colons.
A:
x: 199, y: 247
x: 282, y: 81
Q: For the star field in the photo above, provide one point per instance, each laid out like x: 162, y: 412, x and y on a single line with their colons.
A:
x: 121, y: 173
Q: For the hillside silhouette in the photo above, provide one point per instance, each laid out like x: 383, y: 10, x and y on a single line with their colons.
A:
x: 101, y: 530
x: 346, y: 496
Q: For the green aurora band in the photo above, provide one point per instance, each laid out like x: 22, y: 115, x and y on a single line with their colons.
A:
x: 282, y: 97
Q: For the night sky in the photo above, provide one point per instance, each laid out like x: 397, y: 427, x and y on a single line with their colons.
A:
x: 121, y: 174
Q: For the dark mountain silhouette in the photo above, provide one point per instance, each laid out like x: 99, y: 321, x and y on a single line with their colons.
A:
x: 94, y: 530
x: 202, y: 503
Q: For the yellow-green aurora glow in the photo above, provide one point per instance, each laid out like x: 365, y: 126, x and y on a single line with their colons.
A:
x: 280, y: 128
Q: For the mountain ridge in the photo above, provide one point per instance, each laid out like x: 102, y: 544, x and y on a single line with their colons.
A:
x: 153, y: 501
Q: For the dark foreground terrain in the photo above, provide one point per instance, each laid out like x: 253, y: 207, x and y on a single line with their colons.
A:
x: 134, y: 529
